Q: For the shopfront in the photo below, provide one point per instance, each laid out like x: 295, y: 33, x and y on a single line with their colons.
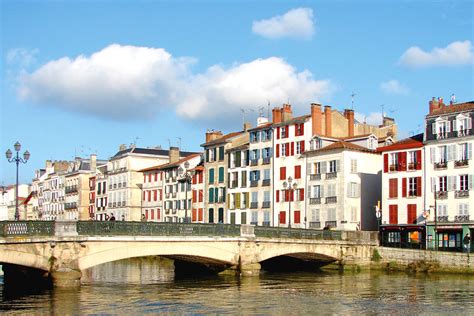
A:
x: 450, y: 238
x: 403, y: 236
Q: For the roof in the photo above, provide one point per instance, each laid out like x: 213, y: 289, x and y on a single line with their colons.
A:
x: 262, y: 126
x: 453, y: 108
x: 222, y: 139
x: 358, y: 136
x: 298, y: 119
x: 240, y: 147
x: 342, y: 145
x: 170, y: 164
x: 149, y: 151
x: 415, y: 141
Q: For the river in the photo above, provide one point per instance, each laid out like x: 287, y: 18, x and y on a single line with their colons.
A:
x: 138, y: 286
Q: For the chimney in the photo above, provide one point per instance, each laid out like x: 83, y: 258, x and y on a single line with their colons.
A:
x: 388, y: 121
x: 247, y: 126
x: 276, y: 115
x: 49, y: 165
x: 122, y: 147
x: 287, y: 113
x: 316, y: 119
x: 173, y: 154
x: 93, y: 166
x: 328, y: 120
x: 434, y: 105
x: 212, y: 134
x: 349, y: 115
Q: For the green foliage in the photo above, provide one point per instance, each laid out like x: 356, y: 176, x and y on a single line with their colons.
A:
x: 376, y: 257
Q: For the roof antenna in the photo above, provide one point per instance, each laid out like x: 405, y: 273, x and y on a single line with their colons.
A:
x: 268, y: 109
x: 383, y: 113
x: 169, y: 142
x: 260, y: 111
x: 352, y: 99
x: 453, y: 98
x: 179, y: 142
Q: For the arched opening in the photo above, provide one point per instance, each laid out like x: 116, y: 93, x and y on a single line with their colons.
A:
x: 20, y: 280
x: 296, y: 262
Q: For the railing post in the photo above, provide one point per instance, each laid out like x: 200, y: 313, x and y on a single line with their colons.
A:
x: 65, y: 227
x: 247, y: 231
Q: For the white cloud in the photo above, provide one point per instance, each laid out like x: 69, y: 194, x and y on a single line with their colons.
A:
x: 374, y: 118
x: 21, y: 57
x: 296, y: 23
x: 455, y: 54
x: 394, y: 87
x: 129, y: 82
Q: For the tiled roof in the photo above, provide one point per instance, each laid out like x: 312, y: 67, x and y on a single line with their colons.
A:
x: 453, y: 108
x: 298, y: 119
x: 265, y: 125
x: 149, y: 151
x: 170, y: 164
x: 342, y: 145
x: 415, y: 141
x: 222, y: 139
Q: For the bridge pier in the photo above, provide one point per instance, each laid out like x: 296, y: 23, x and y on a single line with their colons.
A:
x: 250, y: 269
x: 66, y: 278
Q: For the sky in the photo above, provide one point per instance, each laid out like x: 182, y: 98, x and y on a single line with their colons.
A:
x: 82, y: 77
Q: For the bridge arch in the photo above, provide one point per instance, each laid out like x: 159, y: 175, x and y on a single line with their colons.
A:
x: 22, y: 257
x: 316, y: 251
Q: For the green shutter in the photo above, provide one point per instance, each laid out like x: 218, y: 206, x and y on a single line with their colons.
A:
x: 211, y: 176
x: 216, y: 195
x: 211, y: 195
x: 221, y: 174
x: 221, y: 153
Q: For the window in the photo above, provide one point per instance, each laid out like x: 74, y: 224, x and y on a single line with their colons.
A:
x: 333, y: 166
x: 297, y: 172
x: 266, y: 196
x: 221, y: 174
x: 283, y: 150
x: 393, y: 188
x: 254, y: 220
x: 443, y: 154
x: 315, y: 215
x: 316, y: 143
x: 411, y: 214
x: 393, y: 161
x: 442, y: 210
x: 282, y: 173
x: 331, y: 190
x: 393, y: 214
x: 463, y: 182
x: 331, y: 216
x: 284, y: 131
x: 316, y: 191
x: 266, y: 174
x: 353, y: 166
x: 353, y: 190
x: 465, y: 151
x: 412, y: 186
x: 354, y: 214
x: 221, y: 153
x: 443, y: 184
x: 298, y: 147
x: 463, y: 209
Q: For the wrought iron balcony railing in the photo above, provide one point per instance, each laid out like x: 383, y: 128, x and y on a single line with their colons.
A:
x: 331, y: 199
x: 253, y: 205
x: 461, y: 163
x: 314, y: 201
x: 440, y: 165
x: 266, y: 204
x: 265, y: 182
x: 461, y: 194
x: 314, y: 177
x: 442, y: 195
x: 461, y: 218
x: 331, y: 175
x: 314, y: 224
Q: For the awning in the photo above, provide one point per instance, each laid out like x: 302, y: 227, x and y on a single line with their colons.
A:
x: 450, y: 229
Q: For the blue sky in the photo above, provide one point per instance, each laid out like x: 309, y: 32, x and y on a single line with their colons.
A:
x: 86, y: 76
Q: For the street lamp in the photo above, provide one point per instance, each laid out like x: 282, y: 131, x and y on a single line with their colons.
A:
x: 186, y: 177
x: 17, y: 159
x: 289, y: 186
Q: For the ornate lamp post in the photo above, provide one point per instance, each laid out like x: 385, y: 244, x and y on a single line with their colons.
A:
x: 17, y: 159
x: 186, y: 177
x: 289, y: 187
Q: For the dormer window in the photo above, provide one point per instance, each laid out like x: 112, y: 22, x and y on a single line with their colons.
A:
x: 441, y: 128
x: 372, y: 143
x: 462, y: 124
x: 316, y: 144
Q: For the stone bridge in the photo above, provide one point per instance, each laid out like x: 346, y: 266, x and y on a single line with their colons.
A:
x: 62, y: 249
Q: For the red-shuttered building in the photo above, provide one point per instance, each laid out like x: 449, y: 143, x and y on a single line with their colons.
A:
x: 402, y: 205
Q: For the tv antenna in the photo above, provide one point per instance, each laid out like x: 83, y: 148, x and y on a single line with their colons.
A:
x: 352, y: 100
x: 383, y: 113
x: 245, y: 111
x: 179, y: 142
x: 260, y: 111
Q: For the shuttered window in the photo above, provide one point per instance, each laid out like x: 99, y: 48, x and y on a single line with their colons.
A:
x: 411, y: 214
x: 393, y: 214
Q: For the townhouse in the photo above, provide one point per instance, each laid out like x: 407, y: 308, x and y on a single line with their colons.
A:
x: 197, y: 187
x: 449, y: 172
x: 403, y: 213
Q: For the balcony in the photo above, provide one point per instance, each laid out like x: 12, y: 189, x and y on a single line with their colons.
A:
x: 265, y: 182
x: 253, y: 205
x: 331, y: 200
x: 442, y: 195
x: 266, y: 160
x: 314, y: 201
x: 442, y: 135
x: 330, y: 224
x: 461, y: 163
x: 443, y: 219
x: 331, y: 175
x: 412, y: 166
x: 71, y: 189
x: 463, y: 132
x: 461, y: 194
x: 314, y: 224
x: 253, y: 184
x: 266, y: 204
x: 314, y: 177
x: 440, y: 165
x: 393, y: 168
x: 461, y: 218
x: 254, y: 162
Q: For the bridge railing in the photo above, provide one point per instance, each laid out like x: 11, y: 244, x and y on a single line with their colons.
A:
x: 281, y: 232
x: 26, y: 228
x: 119, y: 228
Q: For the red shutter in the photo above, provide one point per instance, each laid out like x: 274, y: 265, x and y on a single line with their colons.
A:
x: 418, y: 186
x: 149, y: 196
x: 282, y: 173
x: 201, y: 195
x: 302, y: 194
x: 301, y: 129
x: 161, y: 194
x: 194, y: 178
x: 155, y: 195
x: 144, y: 178
x: 278, y: 195
x: 402, y: 161
x: 194, y: 216
x: 144, y: 195
x: 392, y: 188
x: 200, y: 215
x: 292, y: 148
x: 404, y: 187
x: 278, y: 132
x: 411, y: 214
x: 156, y: 176
x: 302, y: 146
x: 282, y: 217
x: 194, y: 196
x: 287, y: 150
x: 385, y: 163
x: 393, y: 214
x: 418, y: 160
x: 201, y: 176
x: 149, y: 177
x: 297, y: 172
x: 278, y: 150
x: 297, y: 217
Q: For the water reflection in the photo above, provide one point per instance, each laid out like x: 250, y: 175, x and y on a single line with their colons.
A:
x: 148, y: 285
